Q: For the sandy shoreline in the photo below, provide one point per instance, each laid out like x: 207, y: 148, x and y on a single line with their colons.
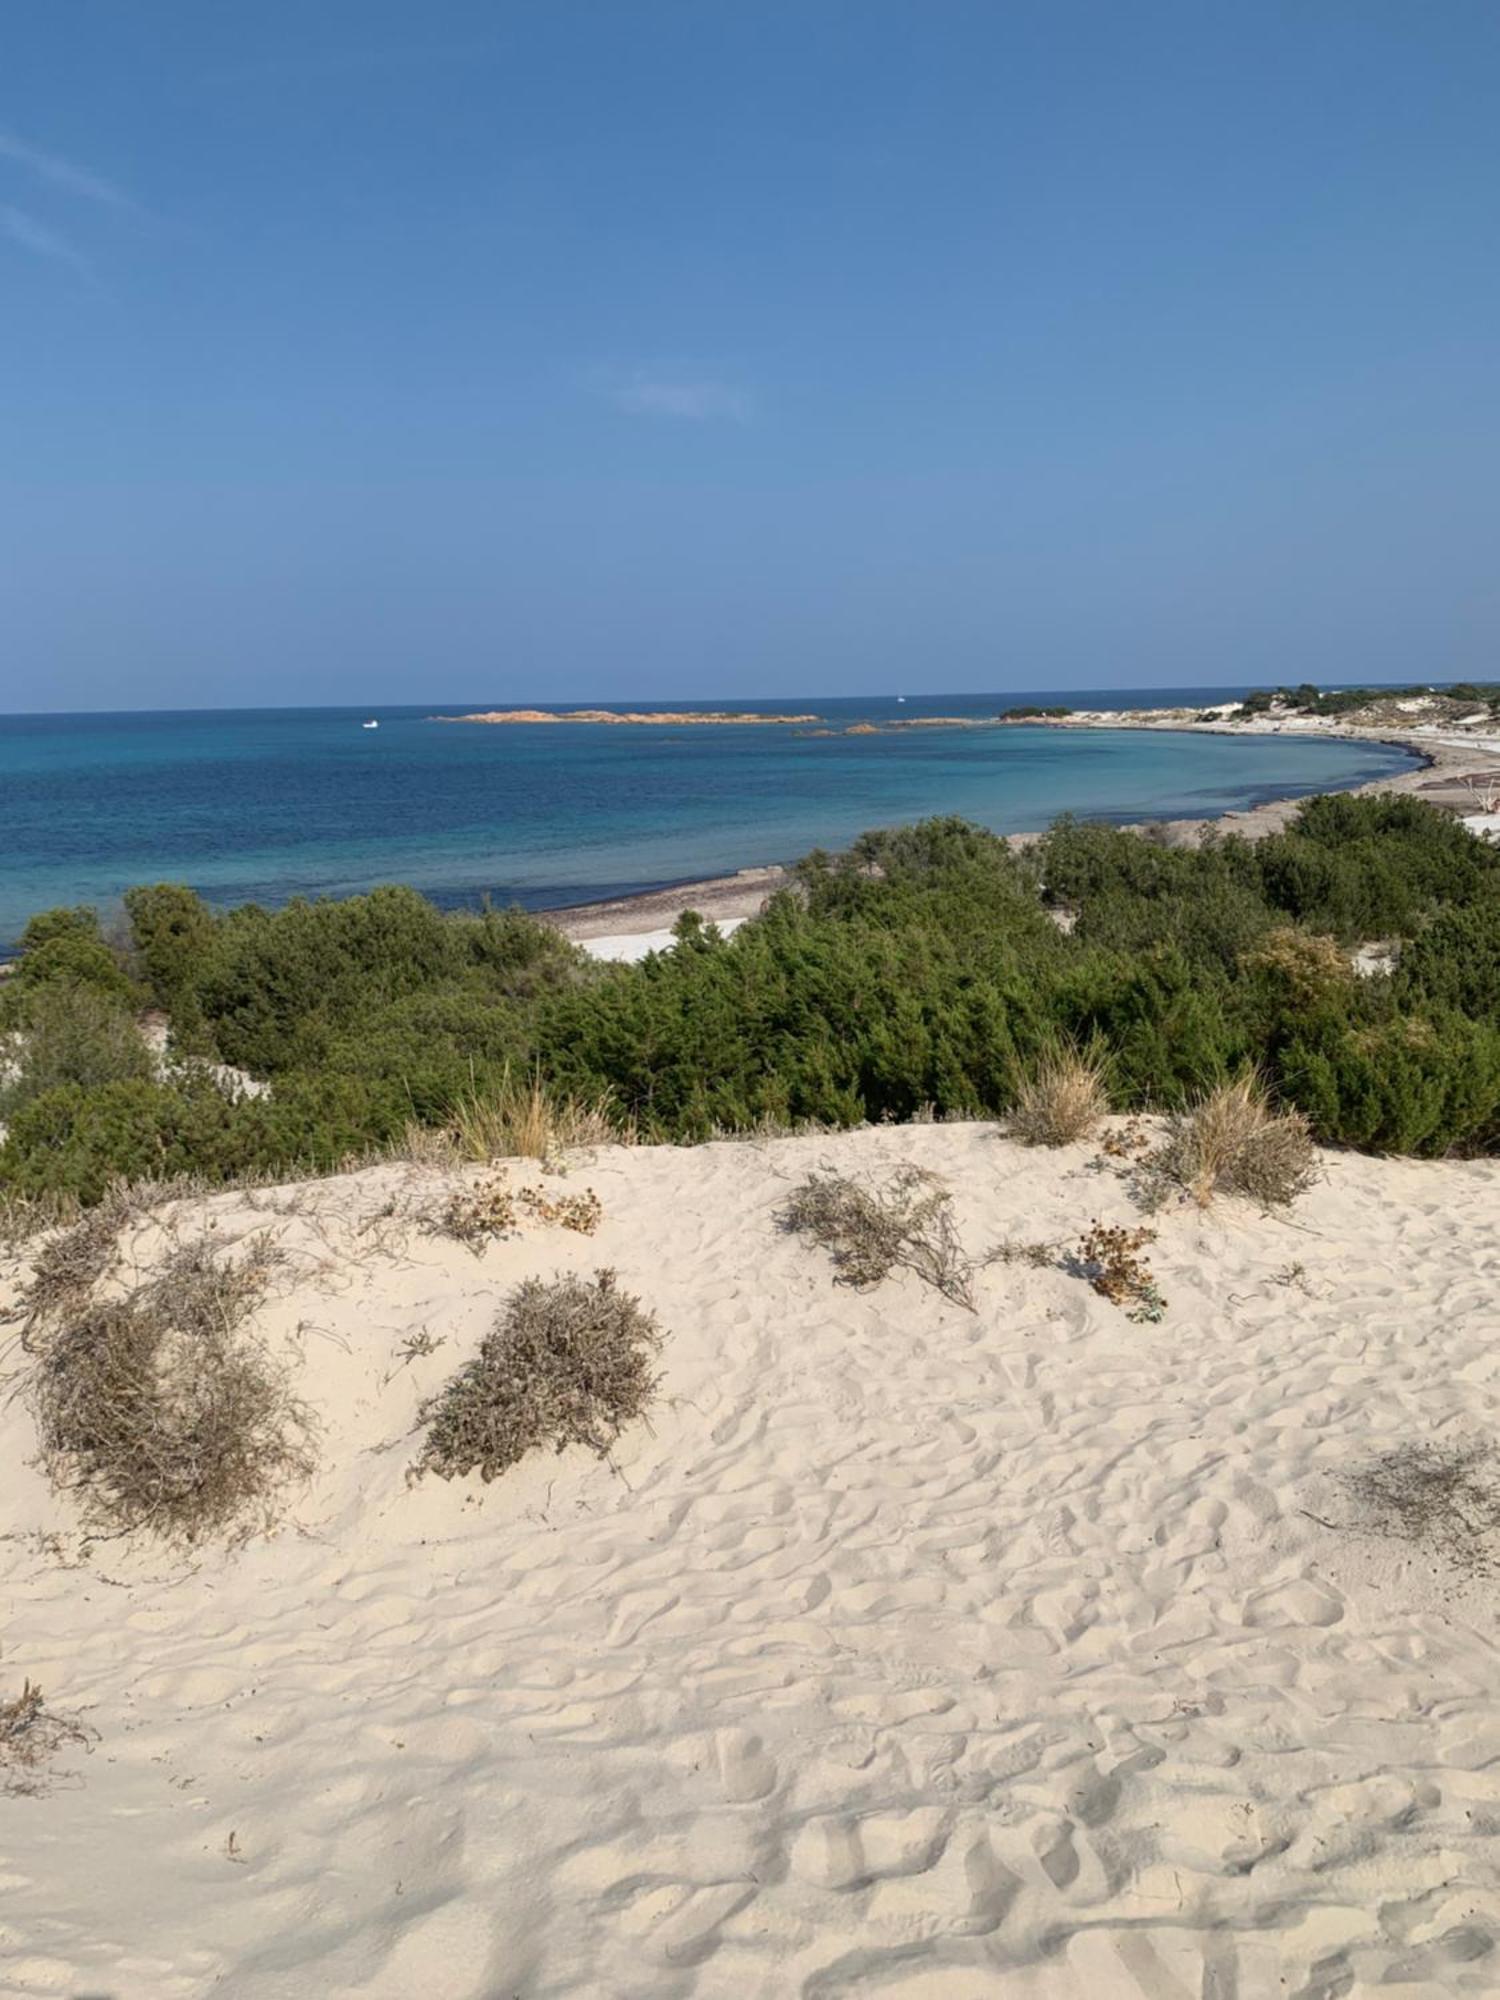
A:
x: 744, y: 894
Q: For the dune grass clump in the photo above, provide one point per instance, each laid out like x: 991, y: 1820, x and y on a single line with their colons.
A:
x: 1445, y: 1497
x: 1062, y: 1100
x: 568, y: 1361
x: 530, y: 1120
x: 870, y: 1230
x: 1233, y: 1142
x: 31, y: 1735
x: 158, y: 1408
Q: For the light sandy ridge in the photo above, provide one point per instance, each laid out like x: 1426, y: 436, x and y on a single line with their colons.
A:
x: 909, y: 1651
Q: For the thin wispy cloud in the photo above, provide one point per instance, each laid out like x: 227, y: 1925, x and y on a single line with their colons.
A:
x: 682, y: 394
x: 28, y: 234
x: 63, y: 174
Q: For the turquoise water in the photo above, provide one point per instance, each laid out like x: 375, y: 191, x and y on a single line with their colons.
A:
x: 266, y: 804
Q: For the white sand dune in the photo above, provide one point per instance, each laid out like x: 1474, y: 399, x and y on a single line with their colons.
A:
x: 908, y: 1651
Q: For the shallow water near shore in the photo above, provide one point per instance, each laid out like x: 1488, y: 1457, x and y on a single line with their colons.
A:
x: 261, y: 805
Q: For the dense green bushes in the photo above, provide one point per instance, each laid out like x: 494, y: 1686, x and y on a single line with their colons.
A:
x: 930, y: 966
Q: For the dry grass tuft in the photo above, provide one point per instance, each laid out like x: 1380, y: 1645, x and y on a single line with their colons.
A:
x: 160, y: 1411
x: 533, y: 1121
x: 871, y: 1231
x: 25, y: 1217
x: 1233, y: 1142
x: 1442, y: 1497
x: 1061, y: 1101
x: 566, y: 1362
x: 30, y: 1737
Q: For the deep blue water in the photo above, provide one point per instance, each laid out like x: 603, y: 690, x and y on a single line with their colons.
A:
x: 264, y: 804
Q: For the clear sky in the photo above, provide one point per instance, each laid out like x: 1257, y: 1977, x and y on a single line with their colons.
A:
x: 361, y: 350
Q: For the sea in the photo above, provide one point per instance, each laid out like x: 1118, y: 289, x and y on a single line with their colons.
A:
x: 261, y: 805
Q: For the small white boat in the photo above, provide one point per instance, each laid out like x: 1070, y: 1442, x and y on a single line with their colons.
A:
x: 369, y: 725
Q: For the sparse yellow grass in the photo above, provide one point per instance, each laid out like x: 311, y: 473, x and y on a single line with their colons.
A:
x: 529, y: 1120
x: 1234, y: 1142
x: 533, y: 1121
x: 1062, y: 1100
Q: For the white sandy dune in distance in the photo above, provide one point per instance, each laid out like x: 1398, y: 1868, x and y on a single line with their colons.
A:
x: 907, y: 1652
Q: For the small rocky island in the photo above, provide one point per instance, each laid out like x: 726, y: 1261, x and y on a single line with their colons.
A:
x: 658, y: 717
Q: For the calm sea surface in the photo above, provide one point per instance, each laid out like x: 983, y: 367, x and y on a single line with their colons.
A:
x: 264, y: 804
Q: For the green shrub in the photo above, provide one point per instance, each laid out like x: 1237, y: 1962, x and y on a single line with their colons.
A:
x: 1408, y: 1085
x: 67, y: 947
x: 174, y: 935
x: 73, y: 1034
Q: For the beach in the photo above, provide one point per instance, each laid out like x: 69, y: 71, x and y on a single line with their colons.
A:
x: 615, y: 928
x: 902, y: 1650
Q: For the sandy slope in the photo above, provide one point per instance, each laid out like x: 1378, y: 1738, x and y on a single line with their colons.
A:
x: 911, y: 1651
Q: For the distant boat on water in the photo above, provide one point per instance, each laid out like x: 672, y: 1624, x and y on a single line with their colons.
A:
x: 369, y: 725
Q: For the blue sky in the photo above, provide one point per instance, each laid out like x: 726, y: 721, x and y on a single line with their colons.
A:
x: 371, y: 350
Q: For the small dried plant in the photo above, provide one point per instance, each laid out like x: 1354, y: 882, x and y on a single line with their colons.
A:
x: 580, y: 1212
x: 906, y: 1224
x: 477, y: 1215
x: 31, y: 1735
x: 1040, y: 1256
x: 533, y: 1120
x: 1128, y: 1143
x: 1109, y: 1256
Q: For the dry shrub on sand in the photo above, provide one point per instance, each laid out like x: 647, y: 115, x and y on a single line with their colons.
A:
x: 1233, y: 1142
x: 31, y: 1735
x: 161, y: 1411
x: 68, y: 1266
x: 566, y: 1362
x: 1443, y: 1497
x: 870, y: 1231
x: 1062, y: 1100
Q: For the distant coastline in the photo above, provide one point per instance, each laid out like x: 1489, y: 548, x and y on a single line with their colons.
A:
x: 1442, y: 760
x: 657, y: 718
